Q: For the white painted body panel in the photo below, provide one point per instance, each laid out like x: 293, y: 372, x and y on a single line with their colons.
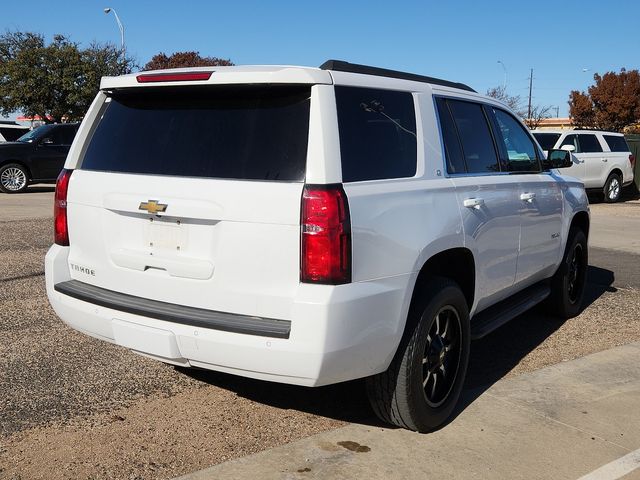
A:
x: 240, y: 245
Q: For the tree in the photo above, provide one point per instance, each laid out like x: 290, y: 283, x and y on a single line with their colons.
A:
x: 514, y: 102
x: 53, y: 81
x: 538, y: 114
x: 612, y: 103
x: 581, y: 110
x: 184, y: 59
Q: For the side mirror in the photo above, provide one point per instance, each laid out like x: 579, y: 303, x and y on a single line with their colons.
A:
x: 568, y: 148
x: 558, y: 159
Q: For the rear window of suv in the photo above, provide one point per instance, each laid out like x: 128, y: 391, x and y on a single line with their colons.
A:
x: 247, y: 133
x: 616, y: 143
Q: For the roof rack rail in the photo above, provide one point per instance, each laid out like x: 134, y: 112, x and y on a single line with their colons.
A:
x: 341, y: 66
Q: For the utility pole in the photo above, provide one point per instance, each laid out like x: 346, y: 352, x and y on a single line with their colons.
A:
x: 530, y: 89
x: 557, y: 109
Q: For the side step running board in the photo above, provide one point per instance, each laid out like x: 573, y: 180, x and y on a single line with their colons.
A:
x: 497, y: 315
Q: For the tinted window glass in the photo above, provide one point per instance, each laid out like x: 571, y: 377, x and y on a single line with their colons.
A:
x: 589, y: 143
x: 251, y: 133
x: 62, y: 135
x: 11, y: 134
x: 616, y: 143
x: 377, y: 133
x: 520, y: 149
x: 475, y: 136
x: 570, y: 140
x: 453, y: 150
x: 547, y: 140
x: 68, y: 133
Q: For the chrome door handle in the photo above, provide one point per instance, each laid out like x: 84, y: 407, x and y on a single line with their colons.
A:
x: 473, y: 202
x: 527, y: 197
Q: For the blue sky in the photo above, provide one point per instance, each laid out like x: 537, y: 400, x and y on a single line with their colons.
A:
x: 456, y: 40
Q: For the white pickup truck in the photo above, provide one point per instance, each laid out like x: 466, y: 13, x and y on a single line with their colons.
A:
x: 311, y: 226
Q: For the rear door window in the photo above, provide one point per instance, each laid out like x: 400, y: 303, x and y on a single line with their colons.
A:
x: 452, y: 147
x: 616, y: 143
x: 589, y: 143
x: 475, y: 136
x: 547, y: 140
x: 377, y: 133
x: 247, y: 132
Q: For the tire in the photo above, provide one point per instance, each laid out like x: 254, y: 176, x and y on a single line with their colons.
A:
x: 14, y: 178
x: 612, y: 188
x: 421, y: 387
x: 568, y: 283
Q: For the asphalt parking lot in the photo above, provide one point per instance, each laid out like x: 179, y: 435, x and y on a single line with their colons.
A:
x: 73, y: 407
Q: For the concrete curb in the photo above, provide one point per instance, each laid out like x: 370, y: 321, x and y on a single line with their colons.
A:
x: 563, y: 421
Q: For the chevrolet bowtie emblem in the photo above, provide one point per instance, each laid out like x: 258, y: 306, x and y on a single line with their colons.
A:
x: 152, y: 206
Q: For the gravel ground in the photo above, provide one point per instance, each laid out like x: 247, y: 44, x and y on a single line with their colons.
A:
x: 74, y: 407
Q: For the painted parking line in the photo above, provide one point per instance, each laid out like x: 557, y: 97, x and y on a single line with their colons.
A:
x: 616, y: 469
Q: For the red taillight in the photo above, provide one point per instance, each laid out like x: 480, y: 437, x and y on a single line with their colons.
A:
x: 173, y: 77
x: 325, y: 250
x: 632, y: 161
x: 60, y: 227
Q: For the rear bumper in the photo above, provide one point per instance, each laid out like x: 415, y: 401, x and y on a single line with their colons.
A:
x: 334, y: 333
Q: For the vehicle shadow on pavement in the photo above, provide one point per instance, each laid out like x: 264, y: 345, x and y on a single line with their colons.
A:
x: 491, y: 359
x: 343, y: 401
x: 495, y: 355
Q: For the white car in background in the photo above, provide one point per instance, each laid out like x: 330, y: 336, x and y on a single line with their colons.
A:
x: 602, y: 160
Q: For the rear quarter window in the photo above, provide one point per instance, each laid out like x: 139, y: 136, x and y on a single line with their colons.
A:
x: 12, y: 134
x: 246, y: 133
x: 377, y: 133
x: 616, y: 143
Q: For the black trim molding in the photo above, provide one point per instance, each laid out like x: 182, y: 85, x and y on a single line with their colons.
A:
x: 197, y: 317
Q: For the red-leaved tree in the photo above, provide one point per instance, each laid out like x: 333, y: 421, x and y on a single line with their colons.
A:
x: 611, y: 104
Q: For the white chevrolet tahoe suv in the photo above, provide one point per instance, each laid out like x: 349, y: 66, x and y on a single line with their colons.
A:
x: 311, y: 226
x: 602, y: 160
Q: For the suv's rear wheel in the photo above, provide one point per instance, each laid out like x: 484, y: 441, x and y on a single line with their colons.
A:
x: 423, y: 383
x: 13, y: 178
x: 612, y: 188
x: 568, y: 283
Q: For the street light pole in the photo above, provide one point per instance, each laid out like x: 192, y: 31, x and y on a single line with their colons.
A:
x: 504, y: 84
x: 120, y: 26
x: 530, y: 90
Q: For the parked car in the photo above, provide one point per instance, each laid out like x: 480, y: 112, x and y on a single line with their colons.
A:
x: 312, y: 226
x: 35, y: 157
x: 602, y: 160
x: 10, y: 131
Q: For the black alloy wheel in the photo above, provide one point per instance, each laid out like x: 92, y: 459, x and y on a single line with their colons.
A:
x: 569, y: 282
x: 421, y: 387
x: 441, y: 356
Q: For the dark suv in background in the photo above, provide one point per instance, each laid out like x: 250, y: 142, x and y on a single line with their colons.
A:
x: 36, y: 157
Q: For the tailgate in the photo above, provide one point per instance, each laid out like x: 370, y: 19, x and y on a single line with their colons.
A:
x: 193, y: 198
